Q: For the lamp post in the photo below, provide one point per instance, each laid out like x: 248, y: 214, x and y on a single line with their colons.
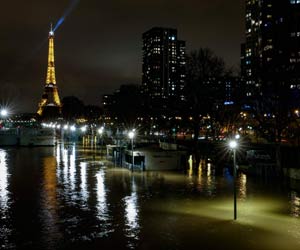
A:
x: 233, y: 145
x: 131, y: 135
x: 100, y: 131
x: 3, y: 115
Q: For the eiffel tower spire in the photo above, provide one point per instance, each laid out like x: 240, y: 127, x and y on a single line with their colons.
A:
x: 50, y: 103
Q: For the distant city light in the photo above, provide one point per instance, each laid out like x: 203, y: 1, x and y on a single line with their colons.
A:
x: 73, y: 128
x: 228, y: 103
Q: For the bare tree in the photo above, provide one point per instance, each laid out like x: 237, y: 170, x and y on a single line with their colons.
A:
x: 203, y: 68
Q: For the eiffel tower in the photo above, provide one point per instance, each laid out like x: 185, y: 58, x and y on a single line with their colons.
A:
x: 50, y: 105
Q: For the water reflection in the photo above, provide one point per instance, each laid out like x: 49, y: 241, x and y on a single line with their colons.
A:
x: 203, y: 177
x: 206, y: 178
x: 50, y: 203
x: 190, y: 170
x: 5, y: 214
x: 132, y: 216
x: 83, y: 179
x: 242, y: 181
x: 210, y: 180
x: 77, y: 201
x: 101, y: 195
x: 295, y: 204
x: 72, y: 169
x: 199, y: 180
x: 50, y: 181
x: 66, y: 160
x: 3, y: 180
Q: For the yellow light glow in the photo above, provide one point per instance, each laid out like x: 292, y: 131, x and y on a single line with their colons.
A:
x: 51, y: 69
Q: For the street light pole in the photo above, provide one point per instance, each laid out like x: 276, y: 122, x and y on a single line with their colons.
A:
x: 132, y: 154
x: 3, y: 115
x: 233, y: 146
x: 234, y: 184
x: 100, y: 131
x: 131, y: 136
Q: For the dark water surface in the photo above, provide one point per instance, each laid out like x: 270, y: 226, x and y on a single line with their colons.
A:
x: 70, y: 198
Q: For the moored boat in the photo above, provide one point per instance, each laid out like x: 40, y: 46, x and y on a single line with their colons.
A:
x: 9, y: 136
x: 37, y: 137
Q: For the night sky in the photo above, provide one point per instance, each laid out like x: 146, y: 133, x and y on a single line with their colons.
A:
x: 99, y: 46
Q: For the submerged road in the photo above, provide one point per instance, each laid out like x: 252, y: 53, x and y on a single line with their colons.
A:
x: 69, y: 198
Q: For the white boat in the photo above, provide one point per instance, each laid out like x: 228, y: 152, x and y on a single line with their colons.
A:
x: 163, y: 159
x: 9, y: 136
x: 37, y: 137
x: 156, y: 158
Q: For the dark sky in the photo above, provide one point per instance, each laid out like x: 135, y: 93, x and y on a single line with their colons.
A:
x: 99, y: 45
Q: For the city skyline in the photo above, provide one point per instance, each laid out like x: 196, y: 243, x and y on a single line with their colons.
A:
x: 98, y: 48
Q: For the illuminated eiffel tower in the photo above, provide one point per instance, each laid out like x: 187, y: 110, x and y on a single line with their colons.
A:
x: 50, y: 105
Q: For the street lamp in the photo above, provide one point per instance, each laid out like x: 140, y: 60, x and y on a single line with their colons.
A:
x: 83, y: 129
x: 100, y: 131
x: 131, y: 135
x: 233, y: 145
x: 4, y: 113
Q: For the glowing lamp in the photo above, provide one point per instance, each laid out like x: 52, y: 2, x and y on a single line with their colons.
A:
x: 131, y: 134
x: 100, y: 130
x: 4, y: 112
x: 233, y: 144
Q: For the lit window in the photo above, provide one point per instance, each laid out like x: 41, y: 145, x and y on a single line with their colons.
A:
x: 268, y: 47
x: 248, y: 52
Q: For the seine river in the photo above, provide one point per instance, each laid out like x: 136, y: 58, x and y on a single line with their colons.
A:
x: 71, y: 198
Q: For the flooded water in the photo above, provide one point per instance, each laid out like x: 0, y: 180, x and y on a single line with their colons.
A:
x: 70, y: 198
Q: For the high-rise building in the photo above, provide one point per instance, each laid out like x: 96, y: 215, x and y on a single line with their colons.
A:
x: 163, y: 64
x: 50, y: 105
x: 271, y: 53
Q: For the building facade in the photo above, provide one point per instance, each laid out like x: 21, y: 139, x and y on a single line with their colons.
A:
x: 163, y: 67
x: 270, y: 57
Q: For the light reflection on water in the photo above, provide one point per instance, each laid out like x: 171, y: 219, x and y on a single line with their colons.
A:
x: 295, y: 204
x: 5, y: 227
x: 242, y: 186
x: 83, y: 177
x: 82, y: 201
x: 101, y: 195
x: 132, y: 215
x: 72, y: 168
x: 3, y: 180
x: 51, y: 233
